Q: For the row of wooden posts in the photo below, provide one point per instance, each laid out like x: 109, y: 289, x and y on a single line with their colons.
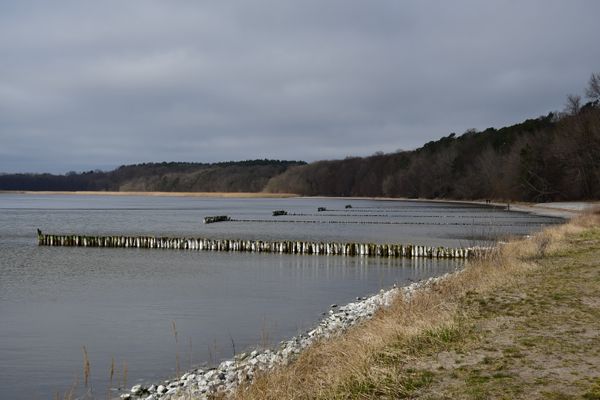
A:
x: 259, y: 246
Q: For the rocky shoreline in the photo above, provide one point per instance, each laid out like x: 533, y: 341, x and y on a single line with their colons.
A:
x: 228, y: 375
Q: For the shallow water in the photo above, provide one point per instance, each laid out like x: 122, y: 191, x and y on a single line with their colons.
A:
x: 122, y: 303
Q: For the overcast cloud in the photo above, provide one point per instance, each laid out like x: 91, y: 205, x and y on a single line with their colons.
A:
x: 96, y: 84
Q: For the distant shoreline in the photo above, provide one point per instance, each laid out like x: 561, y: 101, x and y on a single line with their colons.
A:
x: 554, y: 209
x: 242, y: 195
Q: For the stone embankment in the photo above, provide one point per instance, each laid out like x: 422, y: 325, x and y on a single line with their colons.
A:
x: 201, y: 383
x: 259, y: 246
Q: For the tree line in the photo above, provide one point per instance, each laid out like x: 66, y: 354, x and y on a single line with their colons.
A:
x: 230, y: 176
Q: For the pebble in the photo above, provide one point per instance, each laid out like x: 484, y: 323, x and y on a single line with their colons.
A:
x: 137, y: 389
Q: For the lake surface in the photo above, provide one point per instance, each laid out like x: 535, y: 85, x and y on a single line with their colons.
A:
x: 123, y: 304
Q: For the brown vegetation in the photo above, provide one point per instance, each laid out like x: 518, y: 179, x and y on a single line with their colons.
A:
x: 522, y: 323
x: 240, y: 176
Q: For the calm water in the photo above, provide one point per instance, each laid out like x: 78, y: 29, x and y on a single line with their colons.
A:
x: 122, y: 303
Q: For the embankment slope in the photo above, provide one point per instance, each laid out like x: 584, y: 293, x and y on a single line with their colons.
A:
x: 522, y: 323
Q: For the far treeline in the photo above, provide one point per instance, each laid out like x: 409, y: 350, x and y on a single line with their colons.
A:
x: 240, y: 176
x: 550, y: 158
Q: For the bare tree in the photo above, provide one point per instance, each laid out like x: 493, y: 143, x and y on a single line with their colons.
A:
x: 573, y: 104
x: 593, y: 89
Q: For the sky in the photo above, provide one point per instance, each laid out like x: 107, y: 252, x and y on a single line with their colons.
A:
x: 97, y: 84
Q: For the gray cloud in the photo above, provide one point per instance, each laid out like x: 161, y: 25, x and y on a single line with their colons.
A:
x: 87, y: 85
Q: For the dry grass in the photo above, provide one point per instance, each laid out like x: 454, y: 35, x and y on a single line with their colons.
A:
x: 86, y: 366
x: 374, y: 359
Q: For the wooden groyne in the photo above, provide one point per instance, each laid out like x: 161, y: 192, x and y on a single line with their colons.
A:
x: 259, y: 246
x: 216, y: 218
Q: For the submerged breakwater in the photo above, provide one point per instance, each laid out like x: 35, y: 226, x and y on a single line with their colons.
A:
x: 259, y: 246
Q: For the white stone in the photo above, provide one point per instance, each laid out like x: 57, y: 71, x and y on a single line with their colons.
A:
x: 210, y: 374
x: 137, y: 389
x: 226, y: 365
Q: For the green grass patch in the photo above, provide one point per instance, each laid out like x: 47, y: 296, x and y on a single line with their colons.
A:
x: 401, y: 386
x: 557, y: 396
x: 416, y: 380
x: 513, y: 352
x: 430, y: 341
x: 593, y: 393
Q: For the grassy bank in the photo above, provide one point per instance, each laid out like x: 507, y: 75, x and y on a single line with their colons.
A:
x: 522, y: 323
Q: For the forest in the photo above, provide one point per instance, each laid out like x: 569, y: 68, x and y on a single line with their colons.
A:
x: 232, y: 176
x: 550, y: 158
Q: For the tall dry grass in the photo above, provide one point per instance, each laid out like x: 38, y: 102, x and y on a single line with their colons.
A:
x: 86, y: 366
x: 354, y: 364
